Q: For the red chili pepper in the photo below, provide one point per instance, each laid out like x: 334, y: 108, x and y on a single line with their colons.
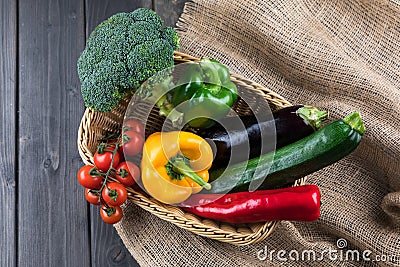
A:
x: 300, y: 203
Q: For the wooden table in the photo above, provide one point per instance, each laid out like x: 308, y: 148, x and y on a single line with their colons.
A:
x: 45, y: 219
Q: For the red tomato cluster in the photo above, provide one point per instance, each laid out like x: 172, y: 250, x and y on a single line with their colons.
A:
x: 109, y: 161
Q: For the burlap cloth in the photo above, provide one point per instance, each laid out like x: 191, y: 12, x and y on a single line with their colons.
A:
x: 338, y: 55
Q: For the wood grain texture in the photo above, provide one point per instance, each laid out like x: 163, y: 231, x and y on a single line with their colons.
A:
x: 99, y: 10
x: 8, y: 55
x: 169, y: 10
x: 52, y: 216
x: 107, y: 247
x: 52, y: 213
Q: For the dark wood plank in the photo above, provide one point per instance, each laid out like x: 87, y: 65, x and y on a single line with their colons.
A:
x: 107, y: 247
x: 99, y: 10
x: 8, y: 57
x: 169, y: 10
x: 52, y: 213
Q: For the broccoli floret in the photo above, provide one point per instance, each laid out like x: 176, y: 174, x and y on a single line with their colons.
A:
x: 121, y: 53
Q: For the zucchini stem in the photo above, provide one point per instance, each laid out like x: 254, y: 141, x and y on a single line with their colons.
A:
x: 355, y: 122
x: 313, y: 116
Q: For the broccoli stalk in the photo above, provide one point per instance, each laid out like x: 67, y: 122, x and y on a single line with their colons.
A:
x: 121, y: 53
x: 158, y: 90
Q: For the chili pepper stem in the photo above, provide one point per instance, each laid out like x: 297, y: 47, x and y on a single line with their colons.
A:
x: 181, y: 167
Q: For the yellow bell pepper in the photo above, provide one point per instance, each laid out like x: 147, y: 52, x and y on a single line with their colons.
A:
x: 175, y: 165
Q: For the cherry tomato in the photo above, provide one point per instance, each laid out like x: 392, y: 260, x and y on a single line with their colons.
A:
x: 132, y: 143
x: 114, y: 194
x: 111, y: 146
x: 111, y: 215
x: 91, y: 197
x: 135, y: 126
x: 127, y: 173
x: 87, y: 180
x: 103, y: 161
x: 121, y: 152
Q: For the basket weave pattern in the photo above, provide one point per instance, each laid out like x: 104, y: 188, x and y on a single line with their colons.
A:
x: 95, y: 125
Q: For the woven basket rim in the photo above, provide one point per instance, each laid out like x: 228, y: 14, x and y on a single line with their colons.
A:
x: 207, y: 228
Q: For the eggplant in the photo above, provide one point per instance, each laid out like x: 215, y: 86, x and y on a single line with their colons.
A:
x: 240, y: 138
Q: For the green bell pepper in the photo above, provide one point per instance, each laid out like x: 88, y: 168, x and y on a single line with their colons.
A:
x: 205, y: 93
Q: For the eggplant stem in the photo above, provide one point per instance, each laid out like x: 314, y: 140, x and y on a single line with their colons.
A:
x: 313, y: 116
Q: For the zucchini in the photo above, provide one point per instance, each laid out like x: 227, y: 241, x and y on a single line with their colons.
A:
x: 236, y: 139
x: 314, y: 152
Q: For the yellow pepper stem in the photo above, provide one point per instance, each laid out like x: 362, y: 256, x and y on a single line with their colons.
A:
x: 181, y: 167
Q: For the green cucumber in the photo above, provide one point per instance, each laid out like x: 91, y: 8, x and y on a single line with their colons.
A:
x: 324, y: 147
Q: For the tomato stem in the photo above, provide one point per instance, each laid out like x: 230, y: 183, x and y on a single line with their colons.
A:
x: 125, y: 138
x: 113, y: 194
x: 94, y: 191
x: 94, y: 172
x: 107, y: 174
x: 123, y: 173
x: 109, y: 137
x: 126, y: 128
x: 109, y: 210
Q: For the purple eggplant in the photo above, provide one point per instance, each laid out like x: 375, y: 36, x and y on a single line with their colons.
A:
x: 237, y: 139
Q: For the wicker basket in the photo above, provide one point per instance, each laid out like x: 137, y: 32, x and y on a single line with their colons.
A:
x: 95, y: 125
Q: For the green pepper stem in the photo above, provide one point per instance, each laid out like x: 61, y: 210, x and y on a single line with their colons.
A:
x: 210, y: 74
x: 355, y: 122
x: 313, y: 116
x: 181, y: 167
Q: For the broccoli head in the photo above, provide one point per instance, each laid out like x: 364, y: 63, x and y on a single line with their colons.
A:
x: 121, y: 53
